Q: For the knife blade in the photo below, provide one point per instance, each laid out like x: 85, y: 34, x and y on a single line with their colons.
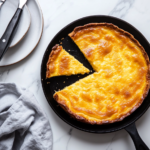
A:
x: 2, y: 2
x: 9, y: 33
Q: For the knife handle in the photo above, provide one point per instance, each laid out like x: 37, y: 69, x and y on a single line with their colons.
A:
x: 9, y: 33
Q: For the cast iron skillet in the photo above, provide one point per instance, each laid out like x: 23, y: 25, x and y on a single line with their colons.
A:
x: 55, y: 83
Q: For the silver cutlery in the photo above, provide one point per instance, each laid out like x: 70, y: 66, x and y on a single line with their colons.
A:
x: 9, y: 33
x: 2, y: 2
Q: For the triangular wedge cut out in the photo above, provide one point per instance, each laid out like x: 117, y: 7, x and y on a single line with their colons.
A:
x: 121, y: 81
x: 62, y: 63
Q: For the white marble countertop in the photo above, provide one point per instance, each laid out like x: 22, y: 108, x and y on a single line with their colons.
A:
x: 57, y: 14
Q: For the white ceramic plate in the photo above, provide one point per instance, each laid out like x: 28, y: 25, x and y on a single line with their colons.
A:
x: 30, y: 40
x: 6, y: 13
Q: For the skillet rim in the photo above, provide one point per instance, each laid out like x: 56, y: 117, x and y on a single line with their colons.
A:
x: 42, y: 66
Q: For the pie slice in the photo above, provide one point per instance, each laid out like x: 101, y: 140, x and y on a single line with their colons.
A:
x: 62, y: 63
x: 120, y: 83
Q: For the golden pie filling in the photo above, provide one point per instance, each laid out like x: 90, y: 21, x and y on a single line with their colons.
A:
x: 62, y: 63
x: 120, y: 83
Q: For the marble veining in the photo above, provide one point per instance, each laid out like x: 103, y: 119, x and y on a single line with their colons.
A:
x: 57, y: 14
x: 70, y: 134
x: 4, y: 74
x: 110, y: 144
x: 61, y: 7
x: 122, y: 8
x: 37, y: 84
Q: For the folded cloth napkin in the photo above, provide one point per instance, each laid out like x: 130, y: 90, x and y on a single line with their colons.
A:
x: 23, y: 126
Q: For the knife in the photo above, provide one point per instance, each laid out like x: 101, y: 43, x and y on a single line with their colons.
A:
x: 9, y: 33
x: 2, y: 2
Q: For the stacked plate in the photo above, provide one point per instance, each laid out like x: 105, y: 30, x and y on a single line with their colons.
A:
x: 29, y: 31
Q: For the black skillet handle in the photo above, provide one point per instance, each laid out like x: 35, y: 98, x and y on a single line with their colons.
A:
x: 7, y: 37
x: 138, y: 142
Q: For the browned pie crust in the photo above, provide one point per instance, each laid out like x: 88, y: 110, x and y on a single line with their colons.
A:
x: 85, y: 120
x: 55, y: 51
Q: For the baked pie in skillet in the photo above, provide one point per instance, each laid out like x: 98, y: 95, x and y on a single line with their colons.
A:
x: 62, y: 63
x: 120, y: 83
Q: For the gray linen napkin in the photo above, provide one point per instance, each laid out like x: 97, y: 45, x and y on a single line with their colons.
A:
x: 23, y: 126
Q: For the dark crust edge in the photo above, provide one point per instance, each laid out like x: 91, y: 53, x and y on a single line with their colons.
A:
x: 145, y: 93
x: 54, y: 52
